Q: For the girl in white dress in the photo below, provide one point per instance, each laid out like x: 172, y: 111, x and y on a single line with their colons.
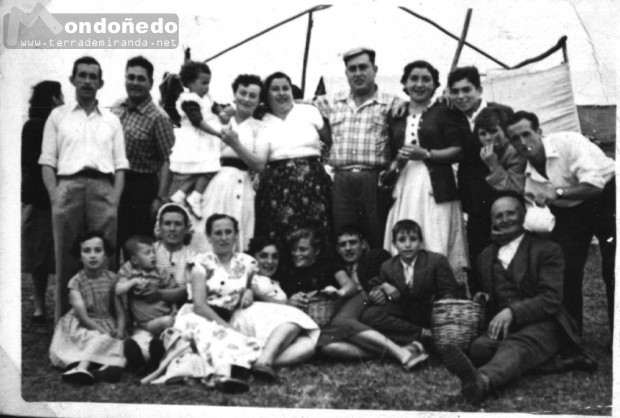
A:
x: 196, y: 149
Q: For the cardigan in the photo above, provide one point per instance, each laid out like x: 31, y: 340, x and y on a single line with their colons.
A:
x: 438, y: 129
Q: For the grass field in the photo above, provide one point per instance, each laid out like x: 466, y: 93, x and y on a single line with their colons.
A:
x: 377, y: 384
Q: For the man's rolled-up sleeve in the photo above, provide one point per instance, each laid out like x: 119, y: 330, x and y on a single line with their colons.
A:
x: 118, y: 147
x: 49, y: 148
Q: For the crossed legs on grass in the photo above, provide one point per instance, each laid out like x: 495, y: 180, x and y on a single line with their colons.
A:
x: 370, y: 344
x: 284, y: 347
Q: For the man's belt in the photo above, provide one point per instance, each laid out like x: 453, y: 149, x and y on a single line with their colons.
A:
x: 357, y: 168
x: 91, y: 174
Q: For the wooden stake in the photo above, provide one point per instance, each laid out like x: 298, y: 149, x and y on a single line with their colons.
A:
x: 459, y: 48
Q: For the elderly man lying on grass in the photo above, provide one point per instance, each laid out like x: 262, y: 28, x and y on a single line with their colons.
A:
x: 521, y: 275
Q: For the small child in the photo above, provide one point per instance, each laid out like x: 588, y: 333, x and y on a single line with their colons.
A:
x: 196, y: 150
x: 89, y: 334
x: 140, y: 277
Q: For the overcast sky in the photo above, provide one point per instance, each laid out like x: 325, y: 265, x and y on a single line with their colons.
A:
x: 509, y: 30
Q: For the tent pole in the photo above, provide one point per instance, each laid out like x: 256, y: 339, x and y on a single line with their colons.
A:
x: 314, y: 9
x: 459, y: 48
x: 453, y: 36
x: 306, y: 52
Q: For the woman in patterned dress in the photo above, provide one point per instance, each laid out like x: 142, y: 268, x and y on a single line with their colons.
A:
x: 294, y: 190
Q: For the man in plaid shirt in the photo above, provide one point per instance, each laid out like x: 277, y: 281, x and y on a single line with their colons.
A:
x: 148, y: 140
x: 361, y: 147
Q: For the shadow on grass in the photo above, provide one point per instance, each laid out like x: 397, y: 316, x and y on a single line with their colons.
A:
x: 375, y: 385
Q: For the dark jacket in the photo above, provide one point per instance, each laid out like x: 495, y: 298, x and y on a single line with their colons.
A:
x: 475, y: 193
x: 432, y: 280
x: 33, y: 189
x: 369, y: 266
x: 538, y: 268
x: 439, y: 129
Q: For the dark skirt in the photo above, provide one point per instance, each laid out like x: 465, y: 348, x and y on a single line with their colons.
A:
x: 294, y: 193
x: 37, y: 240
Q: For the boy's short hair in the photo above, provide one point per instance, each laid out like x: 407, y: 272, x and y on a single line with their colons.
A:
x: 131, y: 245
x: 470, y: 74
x: 407, y: 226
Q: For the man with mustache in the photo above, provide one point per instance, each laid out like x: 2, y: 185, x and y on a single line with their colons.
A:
x: 572, y: 176
x: 465, y: 92
x: 361, y: 147
x: 148, y: 141
x: 83, y: 165
x: 521, y: 276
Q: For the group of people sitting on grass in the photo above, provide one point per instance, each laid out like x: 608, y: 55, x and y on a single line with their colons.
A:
x: 351, y: 198
x: 222, y: 316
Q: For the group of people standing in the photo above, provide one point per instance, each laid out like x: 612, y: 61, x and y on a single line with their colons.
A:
x: 386, y: 230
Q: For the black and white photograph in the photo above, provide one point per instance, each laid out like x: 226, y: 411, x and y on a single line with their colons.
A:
x: 278, y: 208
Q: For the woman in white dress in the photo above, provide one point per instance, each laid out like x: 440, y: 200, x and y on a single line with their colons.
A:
x: 426, y: 190
x: 231, y: 192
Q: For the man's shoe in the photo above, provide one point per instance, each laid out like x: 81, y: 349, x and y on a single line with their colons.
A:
x: 473, y: 386
x: 580, y: 361
x: 231, y: 385
x: 111, y: 374
x: 418, y: 356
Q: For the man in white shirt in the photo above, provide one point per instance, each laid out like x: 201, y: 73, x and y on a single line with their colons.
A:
x: 521, y: 277
x: 572, y: 176
x: 83, y: 162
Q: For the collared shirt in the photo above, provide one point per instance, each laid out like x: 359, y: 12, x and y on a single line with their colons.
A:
x: 360, y: 134
x: 472, y: 119
x: 409, y: 269
x: 74, y: 141
x: 570, y: 159
x: 507, y: 252
x: 352, y: 272
x: 148, y: 134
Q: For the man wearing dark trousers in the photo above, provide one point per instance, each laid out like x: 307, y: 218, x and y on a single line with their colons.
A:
x: 361, y: 148
x: 148, y: 141
x: 521, y: 277
x: 576, y: 180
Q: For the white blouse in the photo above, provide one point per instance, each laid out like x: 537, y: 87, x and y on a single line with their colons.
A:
x: 295, y: 136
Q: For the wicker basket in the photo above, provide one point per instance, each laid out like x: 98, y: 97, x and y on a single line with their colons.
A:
x: 321, y: 309
x: 456, y: 322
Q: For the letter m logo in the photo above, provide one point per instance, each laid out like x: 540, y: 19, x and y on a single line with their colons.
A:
x: 17, y: 16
